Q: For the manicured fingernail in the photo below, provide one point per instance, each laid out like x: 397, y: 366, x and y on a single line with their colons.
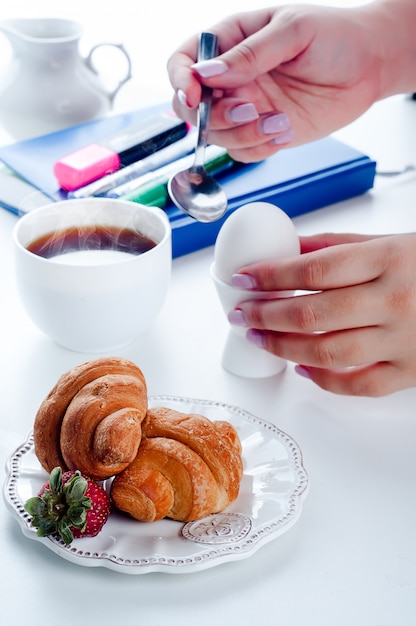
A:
x: 182, y: 98
x: 211, y: 67
x: 256, y: 337
x: 237, y: 318
x: 243, y: 113
x: 243, y: 281
x: 302, y: 371
x: 278, y: 123
x: 285, y: 137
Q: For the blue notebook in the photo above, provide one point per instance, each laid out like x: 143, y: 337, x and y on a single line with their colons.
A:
x: 298, y: 180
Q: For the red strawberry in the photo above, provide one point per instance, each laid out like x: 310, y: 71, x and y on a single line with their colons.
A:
x: 69, y: 505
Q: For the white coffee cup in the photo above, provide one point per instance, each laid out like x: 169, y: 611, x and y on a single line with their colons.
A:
x: 93, y: 300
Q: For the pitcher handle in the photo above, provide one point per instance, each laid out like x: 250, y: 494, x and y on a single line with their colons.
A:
x: 127, y: 77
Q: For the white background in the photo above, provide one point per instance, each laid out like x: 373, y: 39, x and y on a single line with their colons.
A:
x: 351, y: 558
x: 150, y: 30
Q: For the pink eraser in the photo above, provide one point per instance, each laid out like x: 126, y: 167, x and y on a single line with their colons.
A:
x: 85, y: 165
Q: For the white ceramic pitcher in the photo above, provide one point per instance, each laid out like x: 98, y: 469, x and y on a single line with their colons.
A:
x: 48, y: 84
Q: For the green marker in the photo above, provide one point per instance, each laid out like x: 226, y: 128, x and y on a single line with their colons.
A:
x: 152, y: 189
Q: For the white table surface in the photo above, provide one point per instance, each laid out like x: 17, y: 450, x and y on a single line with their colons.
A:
x: 351, y: 557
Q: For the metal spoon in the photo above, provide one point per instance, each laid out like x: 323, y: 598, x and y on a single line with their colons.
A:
x: 194, y: 190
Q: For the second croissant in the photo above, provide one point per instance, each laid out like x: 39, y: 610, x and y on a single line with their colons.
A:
x: 187, y: 467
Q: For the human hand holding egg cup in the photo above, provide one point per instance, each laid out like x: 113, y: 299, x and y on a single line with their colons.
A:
x: 351, y: 331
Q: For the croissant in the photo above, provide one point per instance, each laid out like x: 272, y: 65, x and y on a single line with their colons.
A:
x: 187, y: 467
x: 91, y: 419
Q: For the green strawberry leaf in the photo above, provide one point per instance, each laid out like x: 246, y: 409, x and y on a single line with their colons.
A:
x: 55, y: 480
x: 65, y: 533
x: 75, y: 489
x: 45, y: 527
x: 77, y: 516
x: 36, y: 506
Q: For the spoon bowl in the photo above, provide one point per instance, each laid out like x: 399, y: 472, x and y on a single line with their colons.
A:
x: 193, y: 190
x: 198, y: 194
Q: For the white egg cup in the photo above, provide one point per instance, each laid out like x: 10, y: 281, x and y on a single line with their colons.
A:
x: 240, y: 357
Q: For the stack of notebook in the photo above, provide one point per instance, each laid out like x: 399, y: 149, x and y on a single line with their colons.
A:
x: 298, y: 180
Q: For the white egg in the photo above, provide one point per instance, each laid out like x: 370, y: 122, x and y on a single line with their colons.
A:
x: 255, y: 232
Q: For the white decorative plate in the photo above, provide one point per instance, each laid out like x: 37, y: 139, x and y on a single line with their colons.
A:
x: 269, y: 503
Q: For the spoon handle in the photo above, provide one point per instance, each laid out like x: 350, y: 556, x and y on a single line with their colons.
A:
x: 207, y: 49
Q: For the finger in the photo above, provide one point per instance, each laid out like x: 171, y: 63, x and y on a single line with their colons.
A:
x: 231, y: 32
x: 379, y: 379
x: 182, y: 77
x: 337, y: 309
x: 254, y: 154
x: 263, y: 40
x: 311, y: 243
x: 254, y: 140
x: 237, y: 126
x: 335, y: 350
x: 183, y: 111
x: 328, y: 268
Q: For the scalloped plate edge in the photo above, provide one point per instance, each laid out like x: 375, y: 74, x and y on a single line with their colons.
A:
x: 158, y: 563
